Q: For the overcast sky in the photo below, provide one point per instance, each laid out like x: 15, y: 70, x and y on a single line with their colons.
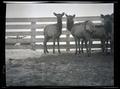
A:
x: 46, y: 10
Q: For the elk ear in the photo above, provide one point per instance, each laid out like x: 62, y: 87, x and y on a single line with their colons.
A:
x: 102, y: 16
x: 66, y: 15
x: 62, y: 13
x: 74, y: 16
x: 54, y: 13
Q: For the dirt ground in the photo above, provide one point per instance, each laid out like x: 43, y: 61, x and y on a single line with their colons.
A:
x: 64, y: 69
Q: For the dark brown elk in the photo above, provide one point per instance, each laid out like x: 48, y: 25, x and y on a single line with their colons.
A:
x: 108, y: 26
x: 53, y: 32
x: 80, y: 31
x: 100, y: 34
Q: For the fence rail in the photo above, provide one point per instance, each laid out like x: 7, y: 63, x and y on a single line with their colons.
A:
x: 19, y: 30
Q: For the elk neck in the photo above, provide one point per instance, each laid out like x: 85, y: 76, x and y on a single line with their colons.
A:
x: 70, y: 24
x: 59, y: 24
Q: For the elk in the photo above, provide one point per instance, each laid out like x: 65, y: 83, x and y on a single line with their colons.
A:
x: 53, y: 32
x: 108, y: 26
x: 80, y: 31
x: 100, y: 34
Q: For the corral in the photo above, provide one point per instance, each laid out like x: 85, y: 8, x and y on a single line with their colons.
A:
x: 29, y: 33
x: 26, y: 67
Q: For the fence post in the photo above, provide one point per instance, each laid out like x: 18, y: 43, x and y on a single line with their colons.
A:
x: 68, y: 41
x: 33, y: 30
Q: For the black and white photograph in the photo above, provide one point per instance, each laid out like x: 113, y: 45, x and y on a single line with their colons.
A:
x: 59, y: 44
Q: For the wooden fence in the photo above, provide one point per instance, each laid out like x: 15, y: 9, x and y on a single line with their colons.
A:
x: 17, y: 26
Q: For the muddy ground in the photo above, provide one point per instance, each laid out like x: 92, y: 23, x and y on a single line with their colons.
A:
x: 64, y: 69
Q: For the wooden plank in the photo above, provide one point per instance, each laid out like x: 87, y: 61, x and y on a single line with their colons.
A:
x: 36, y: 26
x: 18, y: 47
x: 18, y: 41
x: 42, y: 33
x: 17, y: 33
x: 18, y: 26
x: 39, y: 33
x: 9, y: 40
x: 43, y: 19
x: 48, y: 46
x: 65, y: 46
x: 41, y: 26
x: 51, y: 19
x: 42, y: 39
x: 29, y: 40
x: 61, y: 40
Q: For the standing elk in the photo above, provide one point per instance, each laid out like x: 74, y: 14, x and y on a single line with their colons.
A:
x: 53, y: 32
x: 100, y: 34
x: 80, y: 31
x: 108, y: 26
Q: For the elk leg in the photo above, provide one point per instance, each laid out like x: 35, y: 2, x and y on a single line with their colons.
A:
x: 53, y: 46
x: 86, y: 46
x: 58, y: 46
x: 106, y: 51
x: 90, y: 44
x: 79, y: 45
x: 76, y: 45
x: 45, y: 45
x: 82, y: 45
x: 111, y: 49
x: 103, y: 45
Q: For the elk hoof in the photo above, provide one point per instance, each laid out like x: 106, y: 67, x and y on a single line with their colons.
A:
x: 53, y: 52
x: 44, y: 52
x: 89, y: 55
x: 75, y: 53
x: 59, y: 52
x: 82, y: 52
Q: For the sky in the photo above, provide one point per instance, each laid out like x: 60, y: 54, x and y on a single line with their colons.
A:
x: 47, y: 9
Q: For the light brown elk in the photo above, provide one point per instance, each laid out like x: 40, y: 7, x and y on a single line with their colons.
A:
x: 53, y: 32
x: 80, y: 31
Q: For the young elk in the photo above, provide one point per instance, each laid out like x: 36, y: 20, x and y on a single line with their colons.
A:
x: 53, y: 32
x: 80, y: 31
x: 108, y: 26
